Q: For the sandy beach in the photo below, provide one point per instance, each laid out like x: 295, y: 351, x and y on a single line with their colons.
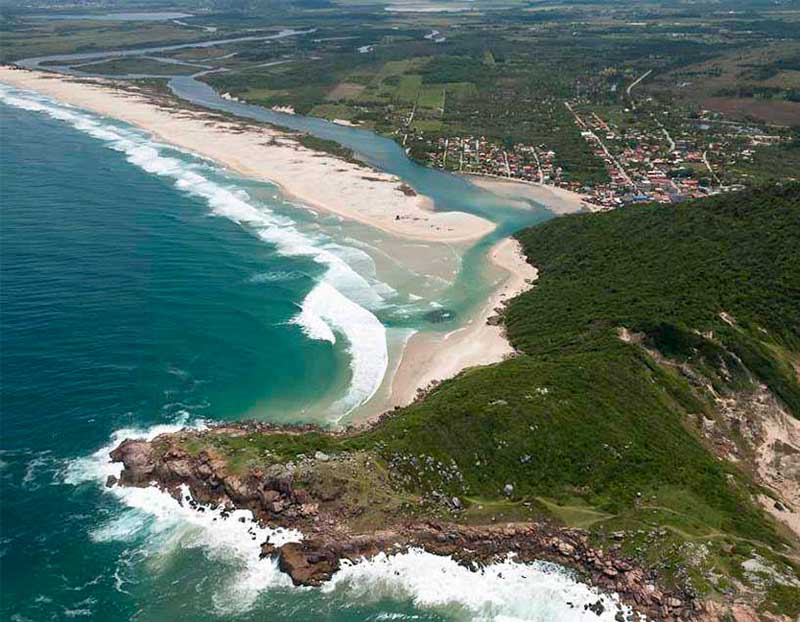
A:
x: 557, y: 200
x: 319, y: 180
x: 355, y: 192
x: 433, y: 357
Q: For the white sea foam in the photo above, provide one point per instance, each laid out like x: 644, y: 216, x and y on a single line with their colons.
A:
x: 504, y: 592
x: 276, y: 276
x: 311, y: 320
x: 157, y: 528
x: 98, y: 466
x: 39, y: 467
x: 324, y: 306
x: 170, y: 527
x: 507, y: 591
x: 339, y: 303
x: 163, y: 527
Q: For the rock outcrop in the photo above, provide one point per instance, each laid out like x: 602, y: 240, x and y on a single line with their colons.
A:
x: 275, y: 497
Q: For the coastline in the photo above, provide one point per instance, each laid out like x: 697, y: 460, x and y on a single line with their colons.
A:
x: 319, y: 180
x: 558, y: 200
x: 432, y: 357
x: 310, y: 516
x: 354, y: 192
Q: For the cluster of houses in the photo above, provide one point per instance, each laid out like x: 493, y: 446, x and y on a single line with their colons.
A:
x: 640, y: 173
x: 478, y: 155
x: 645, y: 164
x: 644, y: 161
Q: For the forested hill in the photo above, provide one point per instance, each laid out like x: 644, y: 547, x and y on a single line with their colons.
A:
x: 657, y: 347
x: 728, y: 264
x: 641, y: 321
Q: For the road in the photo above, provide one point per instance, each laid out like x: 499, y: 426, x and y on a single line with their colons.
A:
x: 639, y: 79
x: 710, y: 170
x: 538, y: 166
x: 669, y: 138
x: 613, y: 160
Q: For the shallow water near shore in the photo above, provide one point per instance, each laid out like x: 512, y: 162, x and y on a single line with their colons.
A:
x: 136, y: 300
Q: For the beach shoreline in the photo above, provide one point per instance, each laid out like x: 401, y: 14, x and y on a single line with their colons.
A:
x: 324, y: 182
x: 317, y: 179
x: 429, y: 358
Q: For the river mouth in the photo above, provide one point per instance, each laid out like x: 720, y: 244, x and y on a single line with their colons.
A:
x: 449, y: 192
x: 443, y: 286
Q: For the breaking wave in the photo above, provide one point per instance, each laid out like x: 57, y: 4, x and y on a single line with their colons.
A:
x: 338, y: 303
x: 162, y: 526
x: 506, y: 591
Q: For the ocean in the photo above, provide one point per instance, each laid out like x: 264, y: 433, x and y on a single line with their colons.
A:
x: 143, y: 289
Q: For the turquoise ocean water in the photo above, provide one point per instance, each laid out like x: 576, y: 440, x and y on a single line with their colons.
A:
x: 142, y: 289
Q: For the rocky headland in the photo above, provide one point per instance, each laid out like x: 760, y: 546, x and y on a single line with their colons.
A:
x: 645, y: 436
x: 315, y: 496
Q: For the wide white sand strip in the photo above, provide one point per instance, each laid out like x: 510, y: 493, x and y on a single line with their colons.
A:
x: 317, y: 179
x: 431, y: 357
x: 328, y: 183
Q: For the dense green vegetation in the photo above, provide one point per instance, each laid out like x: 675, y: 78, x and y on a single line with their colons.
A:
x: 583, y: 413
x: 604, y: 426
x: 22, y: 38
x: 595, y: 431
x: 670, y: 272
x: 123, y: 66
x: 769, y: 164
x: 582, y: 428
x: 501, y: 74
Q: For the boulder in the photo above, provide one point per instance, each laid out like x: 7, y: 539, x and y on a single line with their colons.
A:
x: 302, y: 497
x: 306, y: 568
x: 279, y: 477
x: 276, y: 507
x: 565, y: 548
x: 267, y: 550
x: 268, y: 497
x: 309, y: 509
x: 238, y: 489
x: 180, y: 469
x: 138, y: 460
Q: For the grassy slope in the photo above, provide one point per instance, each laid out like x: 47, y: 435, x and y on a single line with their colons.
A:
x: 598, y: 417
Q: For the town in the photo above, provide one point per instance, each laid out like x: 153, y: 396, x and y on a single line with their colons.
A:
x: 644, y: 159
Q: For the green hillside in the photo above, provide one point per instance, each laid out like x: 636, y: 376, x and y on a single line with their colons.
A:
x: 669, y: 272
x: 582, y: 412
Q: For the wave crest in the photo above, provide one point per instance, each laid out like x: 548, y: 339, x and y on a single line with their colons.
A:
x: 337, y: 304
